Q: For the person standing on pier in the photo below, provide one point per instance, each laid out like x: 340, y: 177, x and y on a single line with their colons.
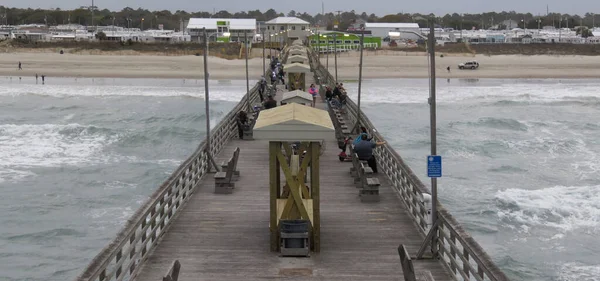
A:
x: 313, y: 92
x: 36, y: 78
x: 364, y: 150
x: 20, y: 68
x: 242, y: 123
x: 43, y: 78
x: 282, y: 76
x: 261, y: 87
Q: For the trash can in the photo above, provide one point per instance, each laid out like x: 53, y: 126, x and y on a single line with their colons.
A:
x: 293, y: 226
x: 294, y: 233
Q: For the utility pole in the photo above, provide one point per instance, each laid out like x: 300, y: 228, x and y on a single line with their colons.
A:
x: 247, y: 78
x: 432, y: 118
x: 207, y: 104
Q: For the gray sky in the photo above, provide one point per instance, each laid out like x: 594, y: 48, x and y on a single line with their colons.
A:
x: 379, y: 7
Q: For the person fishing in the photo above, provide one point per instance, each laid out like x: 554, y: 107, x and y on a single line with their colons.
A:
x: 363, y: 132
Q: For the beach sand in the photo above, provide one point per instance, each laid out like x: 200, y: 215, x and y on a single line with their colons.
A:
x: 384, y: 64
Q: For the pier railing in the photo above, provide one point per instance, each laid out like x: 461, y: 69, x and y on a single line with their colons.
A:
x: 125, y: 254
x: 462, y: 256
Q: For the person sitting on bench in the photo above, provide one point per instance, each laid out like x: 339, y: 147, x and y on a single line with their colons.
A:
x: 364, y: 150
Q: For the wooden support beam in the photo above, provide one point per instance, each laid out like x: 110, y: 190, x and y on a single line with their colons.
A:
x: 315, y: 151
x: 274, y: 150
x: 294, y: 191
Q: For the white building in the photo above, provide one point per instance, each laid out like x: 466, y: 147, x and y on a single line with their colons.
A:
x: 290, y: 28
x: 383, y: 29
x: 226, y: 30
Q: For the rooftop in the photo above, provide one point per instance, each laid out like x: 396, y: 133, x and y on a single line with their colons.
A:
x: 287, y: 20
x: 211, y: 23
x: 391, y: 25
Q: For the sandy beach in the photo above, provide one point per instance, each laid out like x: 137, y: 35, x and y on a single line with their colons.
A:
x: 381, y: 65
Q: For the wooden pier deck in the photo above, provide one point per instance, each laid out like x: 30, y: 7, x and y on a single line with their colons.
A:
x: 226, y: 237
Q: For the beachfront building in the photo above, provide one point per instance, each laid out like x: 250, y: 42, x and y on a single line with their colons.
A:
x: 288, y: 29
x: 222, y: 30
x: 343, y: 41
x: 406, y: 31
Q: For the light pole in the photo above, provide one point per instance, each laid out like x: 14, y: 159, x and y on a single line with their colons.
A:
x: 263, y: 45
x: 207, y: 104
x: 358, y: 113
x: 247, y: 81
x: 335, y: 55
x: 327, y: 55
x: 432, y: 119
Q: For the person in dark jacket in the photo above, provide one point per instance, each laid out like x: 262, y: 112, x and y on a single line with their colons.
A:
x: 328, y: 93
x: 270, y: 103
x: 242, y: 122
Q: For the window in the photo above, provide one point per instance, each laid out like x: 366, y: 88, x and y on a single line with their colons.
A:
x: 313, y: 41
x: 338, y: 41
x: 281, y: 28
x: 304, y: 28
x: 347, y: 42
x: 293, y: 27
x: 322, y: 41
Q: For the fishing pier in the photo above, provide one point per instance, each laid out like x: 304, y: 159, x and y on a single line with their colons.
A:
x: 280, y: 204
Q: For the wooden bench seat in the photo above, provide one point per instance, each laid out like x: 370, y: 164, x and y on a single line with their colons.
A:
x: 224, y: 180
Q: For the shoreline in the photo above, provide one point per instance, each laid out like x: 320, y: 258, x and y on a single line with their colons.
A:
x: 382, y: 66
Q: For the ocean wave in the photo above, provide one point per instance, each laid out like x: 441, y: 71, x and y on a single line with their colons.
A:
x: 563, y: 208
x: 50, y: 145
x: 46, y: 234
x: 507, y: 169
x: 549, y: 145
x: 12, y: 175
x: 220, y: 92
x: 495, y: 123
x: 579, y: 272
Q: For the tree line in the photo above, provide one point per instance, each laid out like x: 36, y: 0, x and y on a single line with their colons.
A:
x: 138, y: 18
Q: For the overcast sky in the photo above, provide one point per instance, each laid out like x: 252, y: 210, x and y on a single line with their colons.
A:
x: 379, y: 7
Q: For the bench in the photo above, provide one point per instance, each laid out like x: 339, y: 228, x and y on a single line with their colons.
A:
x: 224, y: 180
x: 369, y: 184
x: 364, y: 179
x: 408, y: 269
x: 173, y: 273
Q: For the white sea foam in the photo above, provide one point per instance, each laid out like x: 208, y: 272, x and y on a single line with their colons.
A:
x: 380, y: 92
x: 579, y: 272
x: 51, y: 145
x: 564, y: 208
x: 217, y: 92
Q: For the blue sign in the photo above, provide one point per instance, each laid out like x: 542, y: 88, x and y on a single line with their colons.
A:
x: 434, y: 166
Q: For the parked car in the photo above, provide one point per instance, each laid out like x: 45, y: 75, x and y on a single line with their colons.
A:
x: 469, y: 65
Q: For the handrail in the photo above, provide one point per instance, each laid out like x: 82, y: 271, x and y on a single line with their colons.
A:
x: 140, y: 234
x: 464, y: 258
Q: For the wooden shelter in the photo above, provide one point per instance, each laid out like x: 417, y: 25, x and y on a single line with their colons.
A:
x: 297, y: 198
x: 297, y: 59
x: 296, y: 75
x: 297, y: 52
x: 297, y: 96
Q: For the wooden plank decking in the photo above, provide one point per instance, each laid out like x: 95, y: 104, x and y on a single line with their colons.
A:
x: 226, y: 237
